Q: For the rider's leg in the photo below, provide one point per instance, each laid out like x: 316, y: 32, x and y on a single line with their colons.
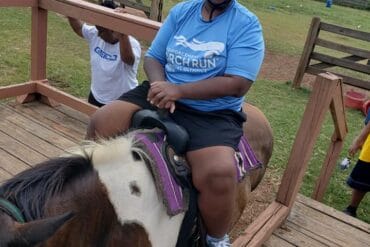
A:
x: 214, y: 176
x: 115, y: 118
x: 111, y: 120
x: 214, y: 137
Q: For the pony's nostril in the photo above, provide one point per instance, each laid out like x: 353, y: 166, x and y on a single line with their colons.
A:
x: 134, y: 188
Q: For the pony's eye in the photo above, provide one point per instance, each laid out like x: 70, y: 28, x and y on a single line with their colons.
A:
x: 136, y: 155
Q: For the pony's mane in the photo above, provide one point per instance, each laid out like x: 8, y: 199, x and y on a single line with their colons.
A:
x: 31, y: 189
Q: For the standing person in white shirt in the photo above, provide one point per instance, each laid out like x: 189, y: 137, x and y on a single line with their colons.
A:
x: 114, y: 59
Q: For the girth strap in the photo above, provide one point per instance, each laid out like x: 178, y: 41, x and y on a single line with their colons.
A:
x: 11, y: 210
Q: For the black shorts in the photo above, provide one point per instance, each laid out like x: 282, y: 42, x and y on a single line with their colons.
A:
x: 360, y: 176
x: 93, y: 101
x: 205, y: 129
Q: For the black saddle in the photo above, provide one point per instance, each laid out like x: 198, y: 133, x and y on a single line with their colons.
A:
x: 176, y: 136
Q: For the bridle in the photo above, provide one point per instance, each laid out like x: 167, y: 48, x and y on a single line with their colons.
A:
x: 11, y: 210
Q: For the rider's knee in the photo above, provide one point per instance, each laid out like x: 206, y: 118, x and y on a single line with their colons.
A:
x: 111, y: 120
x: 220, y: 178
x: 95, y: 126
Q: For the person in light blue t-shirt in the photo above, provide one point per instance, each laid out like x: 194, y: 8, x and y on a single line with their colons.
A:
x: 192, y: 48
x: 202, y: 62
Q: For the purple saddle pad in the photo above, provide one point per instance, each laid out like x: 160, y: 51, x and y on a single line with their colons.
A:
x: 245, y: 159
x: 153, y: 143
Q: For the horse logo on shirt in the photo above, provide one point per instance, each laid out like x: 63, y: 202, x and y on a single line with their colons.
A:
x: 210, y: 49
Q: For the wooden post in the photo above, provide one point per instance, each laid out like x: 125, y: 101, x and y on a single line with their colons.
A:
x: 327, y: 92
x: 321, y: 97
x: 327, y: 169
x: 262, y: 227
x: 38, y: 43
x: 156, y: 10
x: 38, y: 49
x: 341, y: 130
x: 307, y: 50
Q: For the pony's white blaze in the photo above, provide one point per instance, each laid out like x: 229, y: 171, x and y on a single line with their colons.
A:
x: 119, y: 171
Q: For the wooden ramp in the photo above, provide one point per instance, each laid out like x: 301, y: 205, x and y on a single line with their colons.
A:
x: 312, y: 223
x: 33, y: 132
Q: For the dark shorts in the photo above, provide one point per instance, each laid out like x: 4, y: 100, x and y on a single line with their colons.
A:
x: 360, y: 176
x: 205, y: 129
x: 93, y: 101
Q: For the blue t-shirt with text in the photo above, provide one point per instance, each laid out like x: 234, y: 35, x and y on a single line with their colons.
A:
x: 191, y: 49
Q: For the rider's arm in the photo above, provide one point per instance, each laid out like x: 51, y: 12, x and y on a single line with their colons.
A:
x: 219, y: 86
x: 153, y: 69
x: 163, y: 94
x: 76, y: 26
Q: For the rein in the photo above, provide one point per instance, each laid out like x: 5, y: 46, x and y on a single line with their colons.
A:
x: 10, y: 209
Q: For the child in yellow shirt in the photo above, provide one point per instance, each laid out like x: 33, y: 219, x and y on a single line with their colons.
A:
x: 359, y: 180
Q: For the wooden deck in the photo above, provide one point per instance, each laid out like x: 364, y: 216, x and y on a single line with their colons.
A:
x: 34, y: 132
x: 311, y: 223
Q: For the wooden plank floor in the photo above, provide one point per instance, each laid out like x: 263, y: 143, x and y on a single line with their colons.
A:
x: 34, y: 132
x: 311, y: 223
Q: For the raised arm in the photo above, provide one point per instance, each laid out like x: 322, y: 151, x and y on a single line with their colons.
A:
x: 76, y: 26
x: 127, y: 55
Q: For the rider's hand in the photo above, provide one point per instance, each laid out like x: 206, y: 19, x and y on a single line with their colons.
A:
x: 164, y: 94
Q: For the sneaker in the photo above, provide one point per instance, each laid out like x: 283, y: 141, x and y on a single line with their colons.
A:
x: 349, y: 211
x: 218, y: 242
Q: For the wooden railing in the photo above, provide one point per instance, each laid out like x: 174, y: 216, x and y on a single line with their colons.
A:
x: 153, y: 10
x: 326, y: 96
x: 139, y: 27
x: 362, y: 4
x: 350, y: 62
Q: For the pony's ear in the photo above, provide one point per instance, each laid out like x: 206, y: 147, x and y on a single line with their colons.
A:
x: 34, y: 232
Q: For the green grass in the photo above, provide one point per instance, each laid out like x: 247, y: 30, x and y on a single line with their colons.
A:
x: 285, y: 30
x: 67, y: 54
x: 286, y: 22
x: 14, y: 45
x: 284, y: 108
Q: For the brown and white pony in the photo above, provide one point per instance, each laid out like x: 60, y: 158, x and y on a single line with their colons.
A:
x: 105, y: 195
